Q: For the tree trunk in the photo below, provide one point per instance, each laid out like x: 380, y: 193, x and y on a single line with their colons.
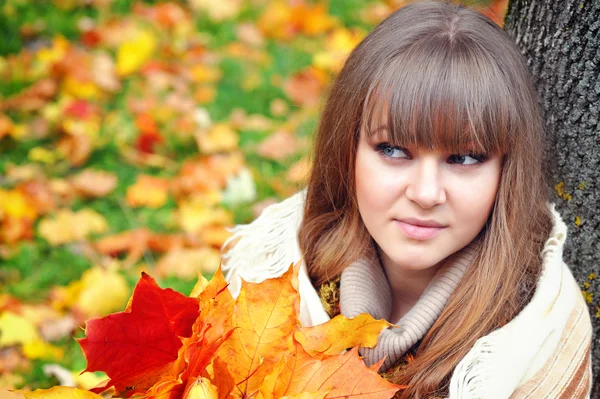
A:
x: 561, y: 41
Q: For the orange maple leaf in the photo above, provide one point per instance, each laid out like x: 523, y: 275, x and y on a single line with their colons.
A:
x: 265, y: 317
x: 342, y: 376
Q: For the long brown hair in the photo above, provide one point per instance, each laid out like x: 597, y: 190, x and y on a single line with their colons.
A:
x: 446, y: 76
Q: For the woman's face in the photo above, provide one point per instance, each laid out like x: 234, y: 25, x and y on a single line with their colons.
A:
x: 399, y: 189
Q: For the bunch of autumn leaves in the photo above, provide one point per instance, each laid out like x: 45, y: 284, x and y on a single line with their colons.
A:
x: 210, y: 345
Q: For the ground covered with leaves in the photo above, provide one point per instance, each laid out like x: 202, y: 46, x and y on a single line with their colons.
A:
x: 132, y: 134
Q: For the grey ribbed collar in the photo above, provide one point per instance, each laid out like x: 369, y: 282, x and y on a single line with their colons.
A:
x: 364, y: 289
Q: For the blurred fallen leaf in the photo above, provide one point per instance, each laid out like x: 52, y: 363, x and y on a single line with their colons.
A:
x: 186, y: 263
x: 205, y: 74
x: 276, y: 21
x: 150, y: 191
x: 193, y: 215
x: 57, y: 328
x: 94, y: 183
x: 76, y: 147
x: 15, y: 203
x: 136, y: 242
x: 250, y: 34
x: 68, y: 226
x: 135, y: 51
x: 13, y: 230
x: 278, y: 146
x: 314, y: 19
x: 338, y: 46
x: 149, y: 134
x: 305, y: 88
x: 6, y: 126
x: 16, y: 329
x: 219, y: 138
x: 278, y: 107
x: 91, y: 298
x: 32, y: 98
x: 39, y: 194
x: 167, y: 15
x: 40, y: 349
x: 24, y: 172
x: 218, y: 11
x: 300, y: 171
x: 104, y: 72
x: 214, y: 236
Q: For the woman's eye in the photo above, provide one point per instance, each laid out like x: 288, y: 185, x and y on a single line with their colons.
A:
x: 469, y: 159
x: 391, y: 152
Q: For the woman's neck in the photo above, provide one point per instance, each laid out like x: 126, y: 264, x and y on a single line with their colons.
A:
x: 406, y: 285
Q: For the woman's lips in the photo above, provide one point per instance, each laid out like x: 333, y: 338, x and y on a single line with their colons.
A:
x: 418, y: 232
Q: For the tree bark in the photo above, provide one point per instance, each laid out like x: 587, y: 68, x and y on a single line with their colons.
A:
x: 561, y: 41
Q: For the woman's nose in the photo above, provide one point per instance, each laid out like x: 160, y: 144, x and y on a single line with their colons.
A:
x: 425, y: 185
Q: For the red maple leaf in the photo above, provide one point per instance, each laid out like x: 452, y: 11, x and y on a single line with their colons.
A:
x: 149, y: 135
x: 135, y: 347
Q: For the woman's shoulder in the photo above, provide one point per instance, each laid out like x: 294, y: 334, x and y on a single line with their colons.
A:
x: 267, y: 246
x: 547, y: 342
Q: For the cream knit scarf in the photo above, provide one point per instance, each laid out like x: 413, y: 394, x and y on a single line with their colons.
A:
x: 364, y: 289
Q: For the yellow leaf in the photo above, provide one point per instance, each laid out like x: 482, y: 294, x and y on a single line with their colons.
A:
x: 92, y: 297
x: 102, y: 292
x: 80, y: 88
x: 148, y: 191
x: 14, y: 203
x: 42, y: 155
x: 332, y: 338
x: 220, y: 138
x: 59, y: 393
x: 205, y: 74
x: 54, y: 53
x: 265, y: 317
x: 39, y: 349
x: 200, y: 286
x: 193, y: 215
x: 337, y: 48
x: 276, y: 21
x: 133, y: 53
x: 89, y: 380
x: 202, y: 389
x: 67, y: 226
x: 16, y: 329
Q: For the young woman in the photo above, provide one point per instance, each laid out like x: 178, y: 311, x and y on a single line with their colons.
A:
x: 427, y: 206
